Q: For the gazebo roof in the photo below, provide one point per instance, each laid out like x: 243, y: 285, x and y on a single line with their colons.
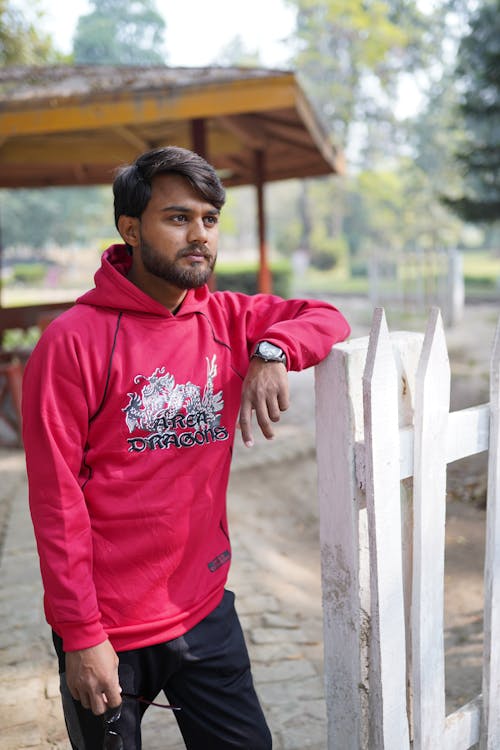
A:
x: 73, y: 125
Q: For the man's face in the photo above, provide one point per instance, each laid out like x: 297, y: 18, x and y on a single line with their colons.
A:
x: 178, y: 233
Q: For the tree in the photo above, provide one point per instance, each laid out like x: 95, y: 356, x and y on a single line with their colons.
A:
x: 20, y: 41
x: 237, y: 53
x: 62, y: 216
x: 351, y: 54
x: 119, y: 32
x: 357, y: 58
x: 478, y: 74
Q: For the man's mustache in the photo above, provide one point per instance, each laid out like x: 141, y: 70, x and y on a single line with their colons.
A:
x: 194, y: 249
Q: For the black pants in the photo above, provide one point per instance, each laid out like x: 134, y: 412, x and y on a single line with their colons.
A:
x: 205, y: 672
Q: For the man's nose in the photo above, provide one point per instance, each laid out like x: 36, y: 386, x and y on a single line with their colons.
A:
x: 197, y: 231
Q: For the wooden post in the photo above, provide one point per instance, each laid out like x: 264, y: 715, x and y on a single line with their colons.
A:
x: 490, y: 730
x: 339, y: 421
x: 199, y: 146
x: 389, y: 720
x: 429, y: 515
x: 344, y: 529
x: 455, y: 289
x: 199, y: 136
x: 264, y: 278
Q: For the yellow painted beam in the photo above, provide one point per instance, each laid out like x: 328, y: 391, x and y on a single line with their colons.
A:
x: 320, y: 139
x: 42, y: 151
x: 121, y: 110
x: 106, y: 147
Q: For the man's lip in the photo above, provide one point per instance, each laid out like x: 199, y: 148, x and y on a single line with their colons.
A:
x: 195, y: 255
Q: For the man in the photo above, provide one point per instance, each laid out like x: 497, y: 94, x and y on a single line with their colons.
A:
x: 130, y: 404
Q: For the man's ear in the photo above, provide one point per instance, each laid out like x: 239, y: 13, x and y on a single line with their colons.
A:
x: 128, y: 226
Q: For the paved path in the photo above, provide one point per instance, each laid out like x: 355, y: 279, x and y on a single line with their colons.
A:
x: 277, y: 598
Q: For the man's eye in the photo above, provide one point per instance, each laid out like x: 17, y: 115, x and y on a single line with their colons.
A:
x: 211, y: 219
x: 179, y: 218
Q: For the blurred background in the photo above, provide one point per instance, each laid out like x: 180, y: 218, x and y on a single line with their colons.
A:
x: 408, y: 90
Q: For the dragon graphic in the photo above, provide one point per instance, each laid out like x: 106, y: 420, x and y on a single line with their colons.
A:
x: 162, y: 403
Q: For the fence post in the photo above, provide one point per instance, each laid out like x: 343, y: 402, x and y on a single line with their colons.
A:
x: 429, y: 515
x: 339, y: 423
x: 389, y: 720
x: 490, y: 729
x: 344, y: 532
x: 455, y: 292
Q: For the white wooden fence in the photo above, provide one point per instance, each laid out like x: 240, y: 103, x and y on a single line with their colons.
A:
x: 382, y: 419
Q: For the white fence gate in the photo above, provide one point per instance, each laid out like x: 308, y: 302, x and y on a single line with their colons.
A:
x: 382, y: 419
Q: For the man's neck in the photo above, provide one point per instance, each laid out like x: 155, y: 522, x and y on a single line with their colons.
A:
x: 166, y: 294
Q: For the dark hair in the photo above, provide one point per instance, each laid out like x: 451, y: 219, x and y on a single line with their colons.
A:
x: 132, y: 184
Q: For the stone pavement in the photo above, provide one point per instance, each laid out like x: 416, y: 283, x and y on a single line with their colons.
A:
x: 278, y: 601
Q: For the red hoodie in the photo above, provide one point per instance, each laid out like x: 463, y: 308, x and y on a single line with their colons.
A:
x: 129, y: 416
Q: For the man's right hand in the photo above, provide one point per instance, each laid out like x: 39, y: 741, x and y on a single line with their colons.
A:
x: 92, y: 677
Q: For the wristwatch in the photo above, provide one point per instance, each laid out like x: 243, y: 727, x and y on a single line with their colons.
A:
x: 269, y: 352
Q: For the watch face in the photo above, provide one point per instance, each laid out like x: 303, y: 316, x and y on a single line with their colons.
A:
x: 269, y: 350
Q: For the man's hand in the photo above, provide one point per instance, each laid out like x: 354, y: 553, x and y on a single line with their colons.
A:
x: 92, y: 677
x: 265, y: 390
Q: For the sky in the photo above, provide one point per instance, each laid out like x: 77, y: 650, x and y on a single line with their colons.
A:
x: 196, y: 29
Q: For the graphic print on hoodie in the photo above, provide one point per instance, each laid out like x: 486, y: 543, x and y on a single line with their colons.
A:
x: 174, y: 414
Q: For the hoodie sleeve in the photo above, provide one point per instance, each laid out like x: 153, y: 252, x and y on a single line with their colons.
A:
x: 306, y: 330
x: 55, y: 422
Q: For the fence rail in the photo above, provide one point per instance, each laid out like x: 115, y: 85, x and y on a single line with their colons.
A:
x: 383, y: 420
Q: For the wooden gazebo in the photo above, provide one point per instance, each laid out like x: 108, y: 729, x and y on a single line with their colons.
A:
x: 74, y: 125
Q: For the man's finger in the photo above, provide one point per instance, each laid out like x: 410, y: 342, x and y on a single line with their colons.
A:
x: 245, y: 422
x: 98, y: 705
x: 284, y: 398
x: 264, y: 421
x: 105, y: 701
x: 273, y: 408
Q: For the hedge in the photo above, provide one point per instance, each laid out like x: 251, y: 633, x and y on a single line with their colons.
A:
x: 244, y: 277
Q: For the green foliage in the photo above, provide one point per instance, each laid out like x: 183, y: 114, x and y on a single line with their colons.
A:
x: 481, y: 271
x: 118, y: 32
x: 350, y: 51
x: 355, y: 59
x: 479, y: 154
x: 21, y: 43
x: 287, y: 235
x: 15, y: 339
x: 61, y: 216
x: 243, y: 277
x: 327, y: 252
x: 29, y: 273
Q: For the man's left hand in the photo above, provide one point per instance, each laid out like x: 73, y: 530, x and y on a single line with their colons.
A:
x: 265, y: 391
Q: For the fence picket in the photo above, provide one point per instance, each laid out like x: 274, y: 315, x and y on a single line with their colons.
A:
x: 490, y: 730
x: 429, y: 509
x: 389, y: 722
x: 337, y: 418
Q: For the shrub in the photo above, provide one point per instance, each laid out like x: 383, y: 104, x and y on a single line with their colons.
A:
x: 243, y: 277
x: 29, y: 273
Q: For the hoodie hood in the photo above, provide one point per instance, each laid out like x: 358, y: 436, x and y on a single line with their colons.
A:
x: 113, y: 290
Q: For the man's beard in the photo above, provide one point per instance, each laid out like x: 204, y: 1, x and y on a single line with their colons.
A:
x: 183, y: 277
